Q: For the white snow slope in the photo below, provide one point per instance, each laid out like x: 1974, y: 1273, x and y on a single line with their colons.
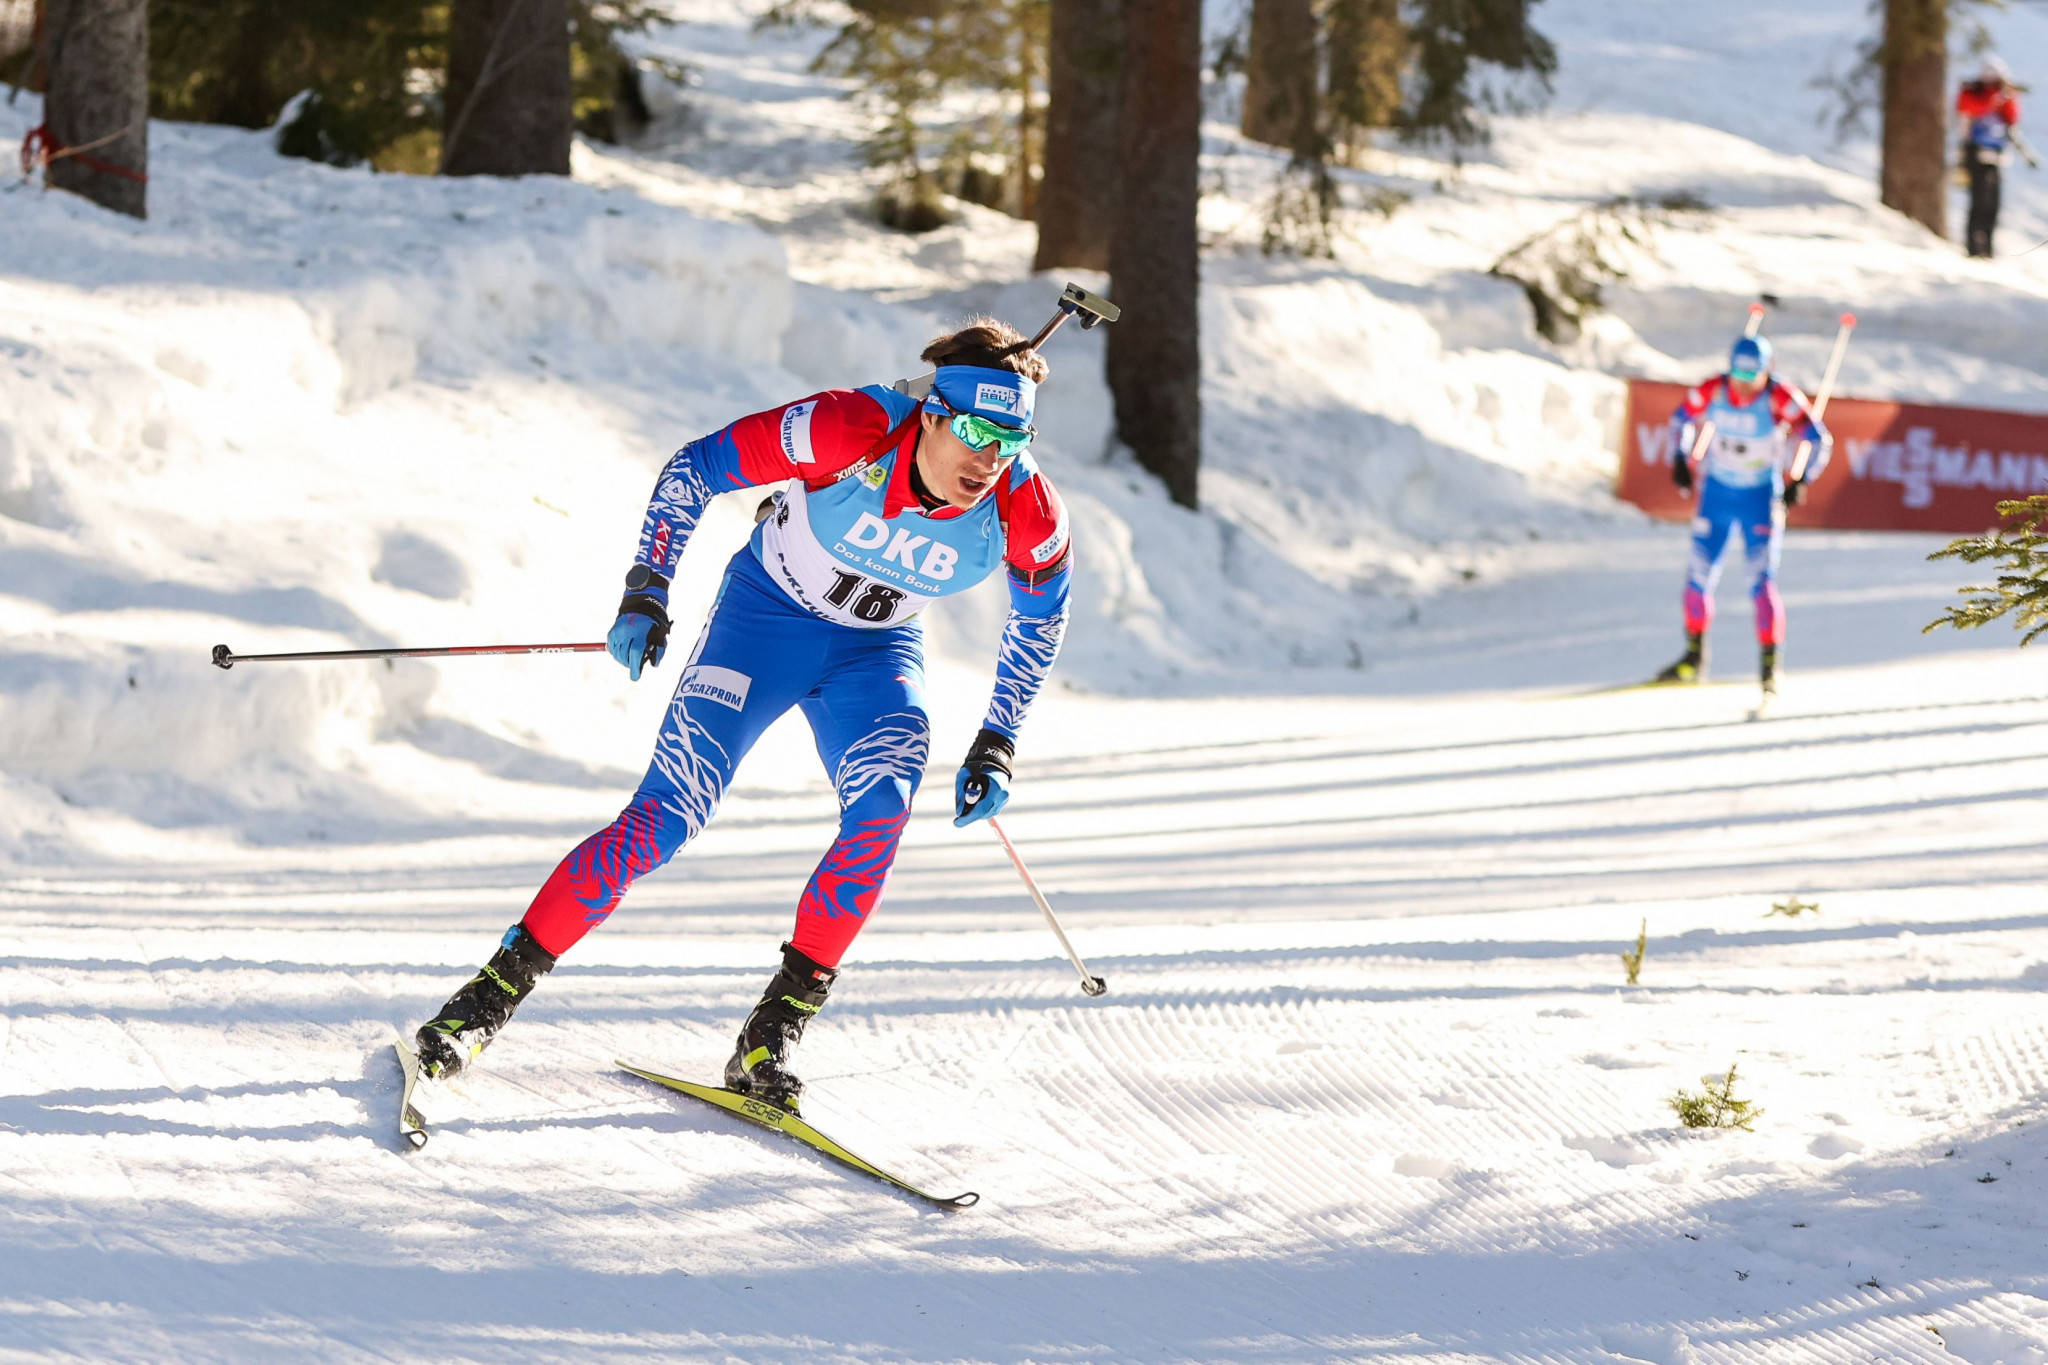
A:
x: 1323, y: 790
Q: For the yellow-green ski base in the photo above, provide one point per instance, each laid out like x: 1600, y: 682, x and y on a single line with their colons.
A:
x: 1653, y: 685
x: 790, y: 1123
x: 412, y: 1125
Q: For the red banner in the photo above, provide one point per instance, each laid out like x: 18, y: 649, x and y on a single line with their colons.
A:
x: 1897, y: 466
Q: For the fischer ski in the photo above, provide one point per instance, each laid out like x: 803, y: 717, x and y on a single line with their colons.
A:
x: 791, y: 1124
x: 1649, y: 685
x: 412, y: 1125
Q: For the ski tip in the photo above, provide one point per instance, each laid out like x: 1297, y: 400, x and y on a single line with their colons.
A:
x: 415, y: 1139
x: 960, y: 1201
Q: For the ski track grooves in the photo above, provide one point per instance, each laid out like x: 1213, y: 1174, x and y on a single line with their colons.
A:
x: 1327, y: 1115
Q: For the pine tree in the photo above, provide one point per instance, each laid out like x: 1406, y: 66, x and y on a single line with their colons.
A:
x: 1154, y: 352
x: 1447, y: 39
x: 1423, y: 69
x: 1077, y: 198
x: 2022, y: 545
x: 96, y: 111
x: 508, y: 109
x: 909, y: 56
x: 239, y: 61
x: 1913, y: 59
x: 1281, y: 95
x: 1365, y: 52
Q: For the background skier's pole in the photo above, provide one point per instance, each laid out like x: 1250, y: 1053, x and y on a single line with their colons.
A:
x: 1090, y: 983
x: 1827, y: 386
x: 223, y: 657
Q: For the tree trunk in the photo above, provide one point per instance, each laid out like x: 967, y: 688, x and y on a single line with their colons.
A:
x: 1914, y: 60
x: 1367, y: 44
x: 508, y: 109
x: 1030, y: 57
x: 1155, y: 359
x: 96, y: 56
x: 1077, y: 199
x: 1280, y: 74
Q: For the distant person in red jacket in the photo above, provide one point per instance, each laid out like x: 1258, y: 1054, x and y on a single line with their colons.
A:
x: 1988, y: 109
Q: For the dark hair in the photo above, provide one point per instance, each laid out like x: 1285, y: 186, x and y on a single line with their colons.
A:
x: 991, y: 343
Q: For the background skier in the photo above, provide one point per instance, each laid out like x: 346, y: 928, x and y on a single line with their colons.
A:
x: 896, y: 496
x: 1988, y: 109
x: 1748, y: 426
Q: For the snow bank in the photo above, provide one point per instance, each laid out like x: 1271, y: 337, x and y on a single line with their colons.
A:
x: 309, y: 408
x: 296, y: 409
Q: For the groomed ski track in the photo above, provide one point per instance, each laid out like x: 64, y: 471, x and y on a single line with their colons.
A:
x: 1367, y: 1086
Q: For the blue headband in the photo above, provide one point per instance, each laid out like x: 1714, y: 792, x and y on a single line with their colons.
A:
x: 999, y: 395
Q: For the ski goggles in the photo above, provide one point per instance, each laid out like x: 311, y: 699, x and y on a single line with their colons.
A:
x: 979, y: 433
x: 1746, y: 376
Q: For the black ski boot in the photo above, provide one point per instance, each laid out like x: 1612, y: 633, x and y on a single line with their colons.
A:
x: 473, y: 1015
x: 1692, y: 665
x: 760, y: 1064
x: 1769, y: 670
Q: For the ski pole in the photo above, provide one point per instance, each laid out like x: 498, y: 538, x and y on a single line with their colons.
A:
x: 1827, y: 385
x: 1090, y: 983
x: 1756, y: 320
x: 223, y: 657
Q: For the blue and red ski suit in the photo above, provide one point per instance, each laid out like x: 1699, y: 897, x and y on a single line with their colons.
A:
x: 819, y: 612
x: 1742, y: 483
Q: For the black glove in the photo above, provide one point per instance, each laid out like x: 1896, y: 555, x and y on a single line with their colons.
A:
x: 982, y: 786
x: 1794, y: 492
x: 1681, y: 473
x: 640, y: 634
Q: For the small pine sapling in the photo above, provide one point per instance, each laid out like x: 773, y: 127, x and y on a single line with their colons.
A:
x: 2022, y: 546
x: 1792, y: 908
x: 1632, y: 963
x: 1714, y: 1106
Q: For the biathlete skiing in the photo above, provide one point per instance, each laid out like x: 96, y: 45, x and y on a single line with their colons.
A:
x: 895, y: 497
x: 1739, y: 437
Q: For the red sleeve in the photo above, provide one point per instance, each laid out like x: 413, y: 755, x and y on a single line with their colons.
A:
x: 2011, y: 112
x: 1788, y: 404
x: 1694, y: 405
x: 811, y: 439
x: 1039, y: 539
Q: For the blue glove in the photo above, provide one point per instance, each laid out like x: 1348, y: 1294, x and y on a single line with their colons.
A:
x: 640, y: 635
x: 637, y: 640
x: 982, y: 786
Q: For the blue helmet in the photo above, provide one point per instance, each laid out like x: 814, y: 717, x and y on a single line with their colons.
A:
x: 1750, y: 360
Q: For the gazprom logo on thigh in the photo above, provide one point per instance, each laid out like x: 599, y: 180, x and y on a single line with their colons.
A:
x: 721, y: 685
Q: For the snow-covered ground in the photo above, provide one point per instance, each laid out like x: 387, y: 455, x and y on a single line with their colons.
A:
x: 1322, y: 792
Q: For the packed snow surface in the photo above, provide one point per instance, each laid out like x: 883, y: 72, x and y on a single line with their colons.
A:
x: 1325, y: 786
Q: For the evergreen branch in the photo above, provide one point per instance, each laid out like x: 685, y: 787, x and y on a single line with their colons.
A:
x: 2022, y: 546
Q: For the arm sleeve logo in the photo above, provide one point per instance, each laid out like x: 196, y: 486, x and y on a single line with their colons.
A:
x: 796, y: 432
